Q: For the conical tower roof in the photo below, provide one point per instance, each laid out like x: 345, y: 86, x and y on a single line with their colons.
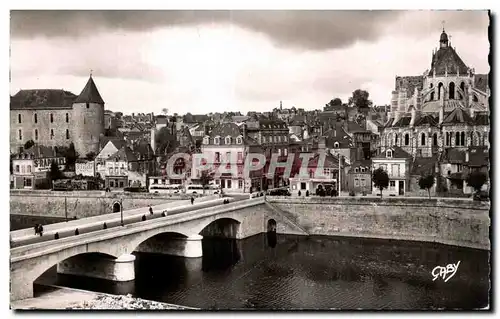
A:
x: 90, y: 94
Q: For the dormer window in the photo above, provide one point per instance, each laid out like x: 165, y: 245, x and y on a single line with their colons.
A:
x: 388, y: 154
x: 336, y: 145
x: 206, y: 140
x: 217, y: 140
x: 362, y: 169
x: 227, y: 140
x: 239, y: 140
x: 356, y: 170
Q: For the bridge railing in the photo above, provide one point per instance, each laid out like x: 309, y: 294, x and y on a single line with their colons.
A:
x: 106, y: 217
x: 47, y: 247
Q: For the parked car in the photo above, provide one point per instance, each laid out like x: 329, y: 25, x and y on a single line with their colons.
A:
x: 481, y: 196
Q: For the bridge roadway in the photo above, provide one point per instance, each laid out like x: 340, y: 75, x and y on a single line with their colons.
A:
x: 27, y: 236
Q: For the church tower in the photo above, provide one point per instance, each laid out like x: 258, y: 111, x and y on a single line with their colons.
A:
x: 88, y: 124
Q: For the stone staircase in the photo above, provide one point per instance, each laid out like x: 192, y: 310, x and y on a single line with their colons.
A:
x: 288, y: 217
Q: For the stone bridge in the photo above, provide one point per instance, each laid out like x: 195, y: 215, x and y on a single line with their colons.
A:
x: 107, y: 253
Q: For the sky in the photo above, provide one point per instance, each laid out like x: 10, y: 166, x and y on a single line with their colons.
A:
x: 216, y: 61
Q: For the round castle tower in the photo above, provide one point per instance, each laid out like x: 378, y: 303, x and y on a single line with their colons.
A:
x: 88, y: 112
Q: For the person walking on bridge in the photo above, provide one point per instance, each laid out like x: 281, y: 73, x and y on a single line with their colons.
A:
x: 150, y: 210
x: 36, y: 229
x: 40, y: 230
x: 192, y: 200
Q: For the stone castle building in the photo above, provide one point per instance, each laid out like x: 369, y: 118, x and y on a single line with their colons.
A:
x: 446, y: 107
x: 56, y: 118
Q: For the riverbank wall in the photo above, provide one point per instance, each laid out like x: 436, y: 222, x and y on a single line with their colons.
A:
x: 463, y: 223
x: 80, y: 204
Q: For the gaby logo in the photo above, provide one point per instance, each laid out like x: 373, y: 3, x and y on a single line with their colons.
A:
x: 446, y: 272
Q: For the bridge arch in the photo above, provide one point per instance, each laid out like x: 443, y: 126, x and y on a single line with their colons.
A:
x: 25, y: 280
x: 222, y: 228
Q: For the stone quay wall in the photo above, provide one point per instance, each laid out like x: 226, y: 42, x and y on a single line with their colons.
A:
x: 447, y: 221
x: 79, y: 204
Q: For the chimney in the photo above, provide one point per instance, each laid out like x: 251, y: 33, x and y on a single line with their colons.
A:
x: 153, y: 146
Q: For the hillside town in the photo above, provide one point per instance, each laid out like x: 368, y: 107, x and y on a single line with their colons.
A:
x: 431, y: 139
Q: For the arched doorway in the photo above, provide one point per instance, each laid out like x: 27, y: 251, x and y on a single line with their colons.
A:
x: 435, y: 139
x: 271, y: 225
x: 116, y: 207
x: 271, y: 233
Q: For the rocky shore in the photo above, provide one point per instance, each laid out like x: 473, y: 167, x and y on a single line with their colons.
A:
x: 110, y: 302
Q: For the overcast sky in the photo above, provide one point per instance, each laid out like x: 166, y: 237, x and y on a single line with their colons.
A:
x: 215, y: 61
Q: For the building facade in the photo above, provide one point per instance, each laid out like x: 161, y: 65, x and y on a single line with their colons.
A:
x: 57, y: 118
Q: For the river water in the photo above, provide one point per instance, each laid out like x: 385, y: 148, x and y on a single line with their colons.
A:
x: 270, y: 271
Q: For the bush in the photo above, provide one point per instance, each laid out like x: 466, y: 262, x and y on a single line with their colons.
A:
x: 352, y: 193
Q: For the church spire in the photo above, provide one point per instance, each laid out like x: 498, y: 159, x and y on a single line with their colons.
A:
x: 443, y: 39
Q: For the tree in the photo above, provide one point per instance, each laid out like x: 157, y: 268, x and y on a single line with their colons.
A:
x: 54, y: 172
x: 205, y: 179
x: 380, y: 179
x: 90, y: 156
x: 164, y: 111
x: 476, y: 180
x: 426, y: 182
x: 330, y: 105
x: 360, y: 99
x: 28, y: 144
x: 71, y: 155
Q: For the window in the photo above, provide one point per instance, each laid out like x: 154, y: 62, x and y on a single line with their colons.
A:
x: 396, y: 139
x: 67, y: 134
x: 217, y: 157
x: 228, y: 156
x: 389, y: 154
x: 285, y: 138
x: 395, y: 169
x: 29, y: 168
x: 35, y: 118
x: 336, y: 145
x: 27, y: 182
x: 239, y: 140
x: 462, y: 138
x: 87, y: 105
x: 240, y: 183
x: 111, y: 171
x: 435, y: 139
x: 356, y: 182
x: 452, y: 91
x: 263, y: 139
x: 363, y: 182
x: 279, y: 151
x: 356, y: 170
x: 121, y: 184
x: 240, y: 156
x: 19, y: 118
x: 228, y: 140
x: 51, y: 133
x: 407, y: 139
x: 84, y: 120
x: 36, y: 134
x: 392, y: 184
x: 17, y: 168
x: 217, y: 140
x: 20, y: 135
x: 228, y: 183
x: 285, y: 151
x: 111, y: 184
x: 206, y: 140
x: 67, y: 118
x: 117, y: 171
x: 362, y: 169
x: 457, y: 138
x: 51, y: 118
x: 422, y: 139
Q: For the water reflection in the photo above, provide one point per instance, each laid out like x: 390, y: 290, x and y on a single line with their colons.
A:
x: 274, y: 271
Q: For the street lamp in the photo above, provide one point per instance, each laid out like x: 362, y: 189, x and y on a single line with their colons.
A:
x: 121, y: 211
